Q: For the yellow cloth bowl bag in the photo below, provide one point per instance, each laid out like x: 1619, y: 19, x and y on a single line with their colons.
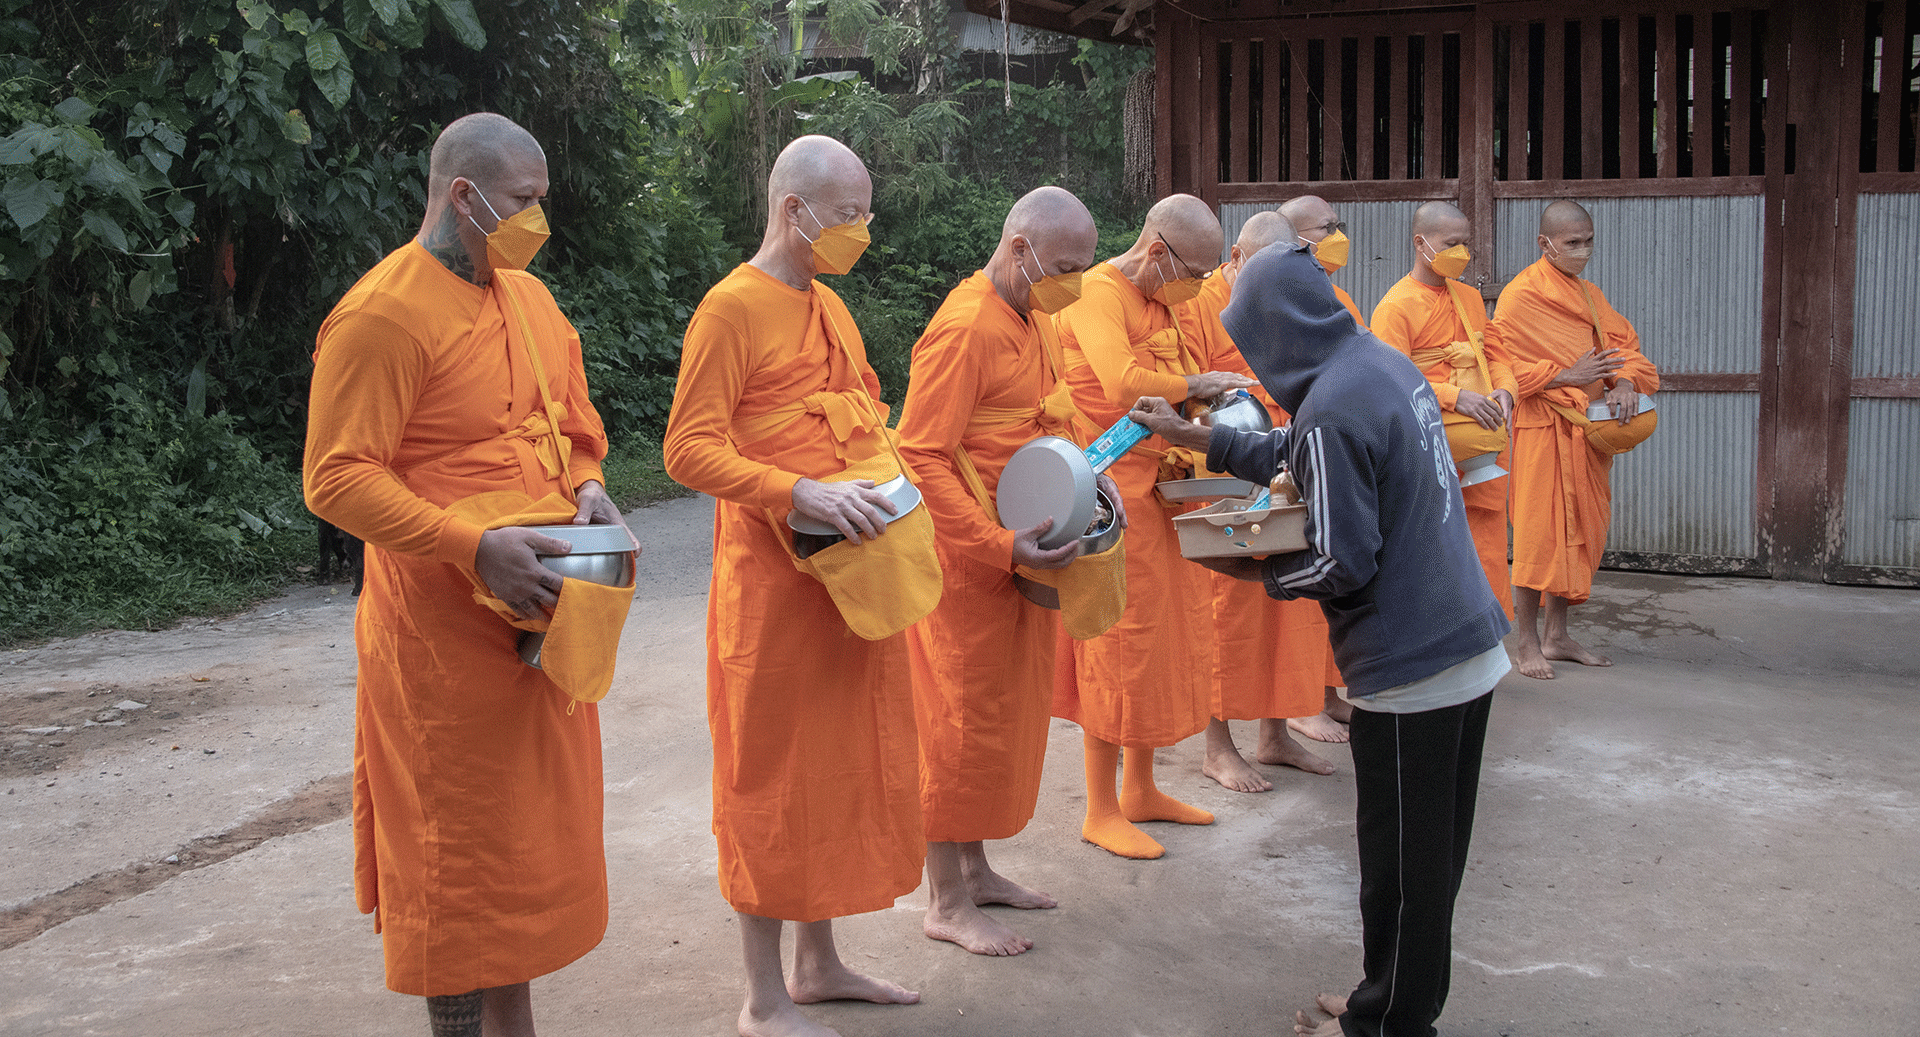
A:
x: 1466, y: 438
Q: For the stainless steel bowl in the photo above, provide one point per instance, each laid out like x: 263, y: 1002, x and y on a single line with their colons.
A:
x: 601, y: 554
x: 1237, y: 410
x: 1093, y: 543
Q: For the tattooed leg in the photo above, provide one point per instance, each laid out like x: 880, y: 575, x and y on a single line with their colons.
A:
x: 455, y: 1015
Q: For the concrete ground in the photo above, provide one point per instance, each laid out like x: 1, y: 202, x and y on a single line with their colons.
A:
x: 1716, y: 836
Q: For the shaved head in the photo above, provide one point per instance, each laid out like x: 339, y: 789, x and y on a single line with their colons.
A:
x: 1048, y: 212
x: 1311, y: 216
x: 1263, y: 229
x: 1438, y: 219
x: 1563, y: 217
x: 480, y: 147
x: 822, y: 169
x: 1189, y: 228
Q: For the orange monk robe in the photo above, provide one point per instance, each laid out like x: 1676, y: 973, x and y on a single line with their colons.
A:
x: 815, y: 808
x: 1145, y: 682
x: 477, y: 789
x: 1420, y: 318
x: 1561, y: 501
x: 983, y: 660
x: 1272, y: 658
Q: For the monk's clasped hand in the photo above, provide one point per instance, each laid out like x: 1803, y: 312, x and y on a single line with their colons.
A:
x: 853, y: 507
x: 508, y: 561
x: 1028, y: 552
x: 1623, y: 400
x: 598, y: 509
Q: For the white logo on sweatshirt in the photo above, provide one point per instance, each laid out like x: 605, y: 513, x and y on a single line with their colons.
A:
x: 1433, y: 439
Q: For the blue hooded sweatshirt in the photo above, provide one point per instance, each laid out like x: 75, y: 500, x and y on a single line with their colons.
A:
x: 1388, y: 556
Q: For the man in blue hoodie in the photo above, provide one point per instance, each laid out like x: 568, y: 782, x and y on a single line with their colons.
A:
x: 1415, y: 629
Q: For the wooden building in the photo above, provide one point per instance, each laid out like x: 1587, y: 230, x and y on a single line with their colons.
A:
x: 1751, y: 171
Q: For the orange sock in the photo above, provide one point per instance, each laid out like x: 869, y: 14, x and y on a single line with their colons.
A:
x: 1142, y: 800
x: 1105, y: 826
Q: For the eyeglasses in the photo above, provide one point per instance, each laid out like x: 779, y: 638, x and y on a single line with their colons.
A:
x: 1176, y: 258
x: 852, y: 215
x: 1336, y: 227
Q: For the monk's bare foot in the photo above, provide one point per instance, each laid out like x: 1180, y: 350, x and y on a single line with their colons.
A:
x: 1321, y: 728
x: 1569, y: 650
x: 1155, y: 805
x: 1333, y: 1005
x: 784, y: 1022
x: 1280, y: 750
x: 1528, y: 659
x: 973, y: 929
x: 1233, y: 772
x: 836, y: 982
x: 1118, y: 835
x: 991, y: 887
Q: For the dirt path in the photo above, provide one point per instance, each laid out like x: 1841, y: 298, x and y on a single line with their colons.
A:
x: 1721, y: 833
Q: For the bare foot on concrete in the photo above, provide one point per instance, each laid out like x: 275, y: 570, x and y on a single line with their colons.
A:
x: 1333, y: 1005
x: 1117, y: 835
x: 785, y: 1021
x: 1280, y: 750
x: 1569, y: 650
x: 973, y: 929
x: 1527, y: 658
x: 1233, y: 772
x: 1321, y: 728
x: 836, y: 982
x: 991, y: 887
x: 1155, y: 805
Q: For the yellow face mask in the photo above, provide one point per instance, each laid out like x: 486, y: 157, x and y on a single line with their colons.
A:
x: 1452, y: 262
x: 837, y: 248
x: 1332, y: 251
x: 1174, y: 292
x: 1052, y: 293
x: 1570, y: 262
x: 516, y: 239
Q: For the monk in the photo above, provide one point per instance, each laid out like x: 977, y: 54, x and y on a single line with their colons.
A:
x: 1146, y: 682
x: 424, y: 396
x: 1545, y: 324
x: 1319, y: 227
x: 1438, y: 322
x: 1270, y: 657
x: 987, y: 379
x: 814, y: 802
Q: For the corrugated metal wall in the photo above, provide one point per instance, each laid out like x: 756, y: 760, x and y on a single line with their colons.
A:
x: 1382, y: 234
x: 1687, y: 273
x: 1883, y: 436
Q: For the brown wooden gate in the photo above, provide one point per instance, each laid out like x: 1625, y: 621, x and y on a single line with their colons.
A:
x: 1674, y: 118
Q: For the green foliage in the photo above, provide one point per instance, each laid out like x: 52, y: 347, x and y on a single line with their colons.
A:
x: 138, y: 517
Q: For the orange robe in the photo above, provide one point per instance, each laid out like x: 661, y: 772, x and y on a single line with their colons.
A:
x: 1145, y: 682
x: 1347, y: 301
x: 983, y: 660
x: 1272, y: 658
x: 1561, y: 501
x: 1419, y: 318
x: 477, y: 789
x: 815, y: 808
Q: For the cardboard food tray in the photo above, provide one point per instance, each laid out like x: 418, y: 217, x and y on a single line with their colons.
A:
x: 1227, y: 529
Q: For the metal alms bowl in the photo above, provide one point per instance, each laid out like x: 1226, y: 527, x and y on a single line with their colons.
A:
x: 601, y: 554
x: 1106, y: 536
x: 1237, y: 410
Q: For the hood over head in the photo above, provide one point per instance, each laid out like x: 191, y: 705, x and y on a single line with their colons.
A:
x: 1286, y: 321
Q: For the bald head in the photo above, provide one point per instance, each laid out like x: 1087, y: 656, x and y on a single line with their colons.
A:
x: 481, y: 147
x: 1438, y: 219
x: 1563, y: 217
x: 1188, y: 226
x: 819, y: 168
x: 1047, y: 212
x: 1260, y: 230
x: 1311, y: 215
